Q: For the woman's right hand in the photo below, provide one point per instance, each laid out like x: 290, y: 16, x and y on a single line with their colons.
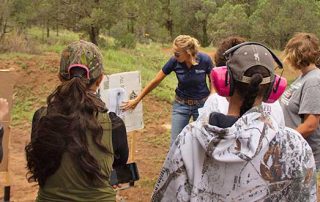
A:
x: 129, y: 105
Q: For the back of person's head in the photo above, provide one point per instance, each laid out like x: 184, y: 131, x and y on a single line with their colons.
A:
x: 302, y: 50
x: 84, y: 55
x: 71, y: 113
x: 81, y: 67
x: 252, y: 69
x: 225, y: 44
x: 189, y: 44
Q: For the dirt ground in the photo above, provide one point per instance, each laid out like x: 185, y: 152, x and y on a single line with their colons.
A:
x: 37, y: 78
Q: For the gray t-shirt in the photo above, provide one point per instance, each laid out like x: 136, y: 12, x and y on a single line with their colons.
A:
x: 303, y: 97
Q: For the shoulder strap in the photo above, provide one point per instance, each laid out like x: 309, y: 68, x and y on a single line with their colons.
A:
x: 105, y: 119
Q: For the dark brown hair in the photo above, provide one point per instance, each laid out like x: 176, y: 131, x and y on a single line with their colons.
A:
x: 224, y: 45
x: 72, y: 112
x: 249, y: 92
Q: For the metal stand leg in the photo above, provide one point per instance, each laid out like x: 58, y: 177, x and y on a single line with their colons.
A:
x: 6, y: 197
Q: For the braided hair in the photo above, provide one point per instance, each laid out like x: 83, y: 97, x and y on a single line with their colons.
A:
x: 249, y: 92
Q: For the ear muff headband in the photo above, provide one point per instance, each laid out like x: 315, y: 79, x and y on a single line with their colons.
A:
x: 273, y: 86
x: 225, y: 84
x: 234, y: 48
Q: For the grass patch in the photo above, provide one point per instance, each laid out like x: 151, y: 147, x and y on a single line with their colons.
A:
x: 64, y: 36
x: 53, y: 43
x: 14, y: 55
x: 147, y: 182
x: 148, y: 60
x: 57, y: 48
x: 161, y: 140
x: 22, y: 111
x: 26, y: 101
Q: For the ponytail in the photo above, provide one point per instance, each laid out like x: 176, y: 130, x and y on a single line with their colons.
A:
x: 249, y: 92
x: 72, y: 111
x: 189, y: 44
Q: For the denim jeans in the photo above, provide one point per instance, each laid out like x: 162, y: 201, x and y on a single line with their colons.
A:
x: 181, y: 114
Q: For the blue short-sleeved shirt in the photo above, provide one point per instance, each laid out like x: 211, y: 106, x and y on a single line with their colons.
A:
x: 191, y: 81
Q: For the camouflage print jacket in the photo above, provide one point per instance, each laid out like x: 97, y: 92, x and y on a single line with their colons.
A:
x: 253, y: 160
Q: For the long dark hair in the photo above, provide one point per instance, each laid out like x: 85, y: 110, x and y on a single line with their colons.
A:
x: 249, y: 92
x: 72, y: 112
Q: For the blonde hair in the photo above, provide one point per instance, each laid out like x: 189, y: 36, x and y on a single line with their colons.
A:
x: 189, y: 44
x: 302, y: 50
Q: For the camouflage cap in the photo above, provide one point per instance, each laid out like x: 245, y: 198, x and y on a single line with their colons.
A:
x: 81, y: 53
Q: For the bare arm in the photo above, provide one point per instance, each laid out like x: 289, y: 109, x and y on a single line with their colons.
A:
x: 212, y: 90
x: 309, y: 125
x: 131, y: 104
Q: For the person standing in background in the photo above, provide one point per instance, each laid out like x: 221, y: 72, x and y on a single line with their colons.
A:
x: 191, y: 68
x: 301, y: 101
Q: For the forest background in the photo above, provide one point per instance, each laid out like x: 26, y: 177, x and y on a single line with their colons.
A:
x: 129, y: 21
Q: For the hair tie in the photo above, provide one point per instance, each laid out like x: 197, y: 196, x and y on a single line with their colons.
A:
x: 77, y: 76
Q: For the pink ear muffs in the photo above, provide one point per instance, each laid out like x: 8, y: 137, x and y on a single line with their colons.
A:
x: 219, y: 79
x: 81, y: 66
x: 279, y: 86
x: 222, y: 84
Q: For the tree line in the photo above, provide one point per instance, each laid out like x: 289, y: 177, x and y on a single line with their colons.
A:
x: 269, y: 21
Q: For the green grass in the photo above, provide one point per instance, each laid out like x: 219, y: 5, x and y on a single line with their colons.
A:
x: 53, y: 43
x: 147, y: 182
x: 161, y: 141
x: 4, y: 56
x: 23, y: 105
x: 148, y: 60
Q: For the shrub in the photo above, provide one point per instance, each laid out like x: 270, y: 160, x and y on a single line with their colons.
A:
x: 15, y: 42
x: 127, y: 40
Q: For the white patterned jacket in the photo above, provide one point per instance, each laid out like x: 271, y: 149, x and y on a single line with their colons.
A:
x: 253, y: 160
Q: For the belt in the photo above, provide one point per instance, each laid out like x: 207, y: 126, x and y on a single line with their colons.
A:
x: 190, y: 101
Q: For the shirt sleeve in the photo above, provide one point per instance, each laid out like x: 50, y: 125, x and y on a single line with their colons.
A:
x: 310, y: 97
x: 169, y: 66
x: 210, y: 65
x: 119, y: 140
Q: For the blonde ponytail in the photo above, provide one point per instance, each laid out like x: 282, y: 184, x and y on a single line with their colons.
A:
x: 189, y: 44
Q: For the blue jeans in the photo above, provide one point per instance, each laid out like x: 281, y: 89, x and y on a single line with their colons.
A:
x: 181, y: 114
